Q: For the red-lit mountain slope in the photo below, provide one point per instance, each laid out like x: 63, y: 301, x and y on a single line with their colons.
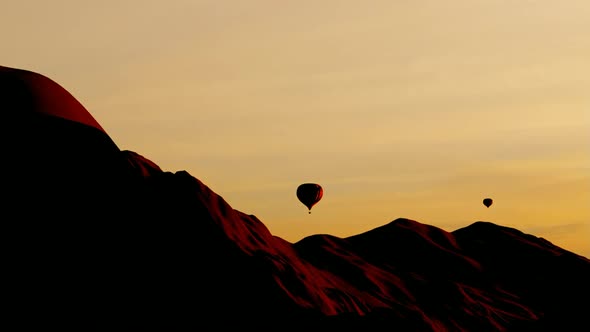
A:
x: 102, y: 239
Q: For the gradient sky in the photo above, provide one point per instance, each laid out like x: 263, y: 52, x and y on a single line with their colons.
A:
x: 416, y: 109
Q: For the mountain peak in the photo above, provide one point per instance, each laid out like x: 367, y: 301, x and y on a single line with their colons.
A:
x: 31, y: 92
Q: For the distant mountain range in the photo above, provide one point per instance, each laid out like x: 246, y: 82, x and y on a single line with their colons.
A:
x: 96, y: 238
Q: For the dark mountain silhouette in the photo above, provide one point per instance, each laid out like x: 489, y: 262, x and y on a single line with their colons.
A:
x: 96, y: 238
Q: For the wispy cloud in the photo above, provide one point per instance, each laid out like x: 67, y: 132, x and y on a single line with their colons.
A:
x: 559, y: 229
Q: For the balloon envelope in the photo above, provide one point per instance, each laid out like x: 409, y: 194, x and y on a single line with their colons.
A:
x: 309, y: 194
x: 487, y: 202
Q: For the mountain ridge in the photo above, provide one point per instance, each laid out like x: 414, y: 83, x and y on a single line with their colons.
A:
x: 99, y: 238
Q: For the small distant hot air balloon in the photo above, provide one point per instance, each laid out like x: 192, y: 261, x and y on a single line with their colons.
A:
x: 487, y: 202
x: 309, y: 194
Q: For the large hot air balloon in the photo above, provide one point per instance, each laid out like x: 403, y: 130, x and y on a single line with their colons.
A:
x: 309, y: 194
x: 487, y: 202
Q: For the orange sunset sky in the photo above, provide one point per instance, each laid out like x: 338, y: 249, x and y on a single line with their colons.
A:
x: 415, y: 109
